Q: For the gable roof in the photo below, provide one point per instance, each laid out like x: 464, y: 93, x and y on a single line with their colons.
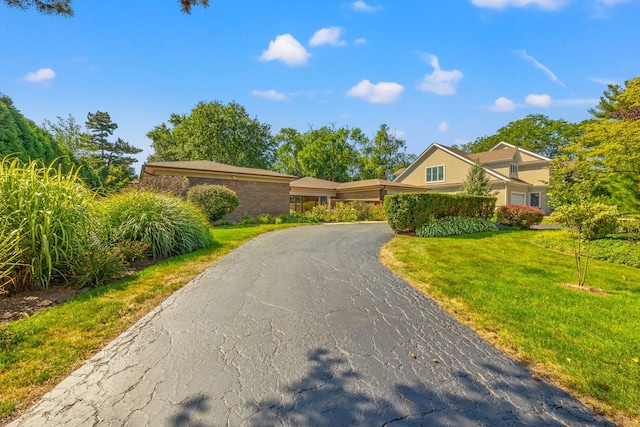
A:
x: 324, y: 184
x: 531, y: 153
x: 209, y: 166
x: 506, y: 154
x: 452, y: 151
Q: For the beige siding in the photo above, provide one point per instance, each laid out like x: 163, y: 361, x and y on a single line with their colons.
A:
x: 537, y: 174
x: 455, y: 170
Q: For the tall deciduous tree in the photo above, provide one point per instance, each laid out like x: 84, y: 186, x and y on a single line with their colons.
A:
x: 217, y: 132
x: 63, y: 7
x: 535, y: 132
x: 331, y: 154
x: 383, y: 155
x: 290, y: 143
x: 606, y: 158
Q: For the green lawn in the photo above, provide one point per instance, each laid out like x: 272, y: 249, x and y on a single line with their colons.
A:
x: 510, y: 290
x: 38, y: 352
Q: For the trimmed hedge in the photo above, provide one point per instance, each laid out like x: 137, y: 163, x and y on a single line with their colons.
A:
x: 407, y: 212
x: 519, y: 215
x: 454, y: 225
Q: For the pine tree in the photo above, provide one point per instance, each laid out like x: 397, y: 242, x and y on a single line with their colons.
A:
x: 476, y: 182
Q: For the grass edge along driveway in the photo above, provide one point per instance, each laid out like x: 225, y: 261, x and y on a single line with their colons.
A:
x: 38, y: 352
x: 509, y: 290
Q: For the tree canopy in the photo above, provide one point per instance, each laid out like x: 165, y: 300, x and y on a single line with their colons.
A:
x: 535, y: 132
x: 605, y: 160
x: 63, y: 7
x: 217, y: 132
x: 384, y: 155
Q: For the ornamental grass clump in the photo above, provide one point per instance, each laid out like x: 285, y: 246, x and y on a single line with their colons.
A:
x: 167, y: 224
x: 47, y: 215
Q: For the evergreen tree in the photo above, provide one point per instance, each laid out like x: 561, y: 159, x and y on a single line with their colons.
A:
x: 476, y: 182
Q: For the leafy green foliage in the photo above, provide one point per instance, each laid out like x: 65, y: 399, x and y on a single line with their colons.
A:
x: 383, y: 155
x: 217, y: 132
x: 216, y: 201
x: 63, y: 7
x: 535, y: 132
x: 476, y: 182
x: 520, y: 216
x: 454, y: 225
x: 168, y: 224
x: 331, y: 153
x: 49, y: 214
x: 616, y: 249
x: 587, y: 221
x: 408, y: 212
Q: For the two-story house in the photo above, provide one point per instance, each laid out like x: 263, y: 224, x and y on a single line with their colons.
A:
x: 517, y: 176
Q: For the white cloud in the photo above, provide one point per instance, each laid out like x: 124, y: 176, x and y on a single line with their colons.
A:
x: 400, y: 134
x: 502, y: 105
x: 360, y: 41
x: 603, y: 81
x: 43, y: 74
x: 270, y: 94
x: 440, y: 82
x: 380, y: 93
x: 611, y: 2
x: 535, y: 100
x: 538, y: 65
x: 443, y: 127
x: 501, y: 4
x: 287, y: 49
x: 361, y: 6
x: 330, y: 36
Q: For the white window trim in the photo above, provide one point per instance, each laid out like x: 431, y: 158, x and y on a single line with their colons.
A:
x: 444, y: 173
x: 513, y: 174
x: 539, y: 198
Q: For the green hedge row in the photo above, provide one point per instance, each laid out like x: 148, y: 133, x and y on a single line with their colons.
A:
x: 407, y: 212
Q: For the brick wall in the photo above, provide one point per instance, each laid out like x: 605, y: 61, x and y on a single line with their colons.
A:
x: 254, y: 197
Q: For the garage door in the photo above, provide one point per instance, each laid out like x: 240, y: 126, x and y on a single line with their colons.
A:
x: 517, y: 199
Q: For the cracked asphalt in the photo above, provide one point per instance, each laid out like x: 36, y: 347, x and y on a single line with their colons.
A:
x: 304, y: 326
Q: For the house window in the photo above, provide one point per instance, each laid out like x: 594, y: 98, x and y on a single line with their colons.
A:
x: 435, y: 174
x: 534, y: 200
x: 514, y: 170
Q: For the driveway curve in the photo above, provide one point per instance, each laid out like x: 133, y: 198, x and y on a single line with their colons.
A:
x: 303, y: 326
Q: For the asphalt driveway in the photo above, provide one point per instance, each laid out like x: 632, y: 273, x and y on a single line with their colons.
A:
x: 303, y: 326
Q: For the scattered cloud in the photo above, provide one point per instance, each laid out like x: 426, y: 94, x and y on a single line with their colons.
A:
x: 603, y: 81
x: 330, y: 36
x: 361, y: 6
x: 503, y: 105
x: 502, y: 4
x: 611, y: 2
x: 270, y: 94
x: 535, y: 100
x: 440, y: 82
x: 380, y: 93
x: 400, y: 134
x: 443, y: 127
x: 287, y: 49
x: 42, y: 75
x: 360, y: 41
x: 537, y: 64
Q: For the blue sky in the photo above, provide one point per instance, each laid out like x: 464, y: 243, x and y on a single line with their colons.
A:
x: 443, y: 71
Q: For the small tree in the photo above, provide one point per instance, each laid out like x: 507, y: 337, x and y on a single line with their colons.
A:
x: 476, y: 182
x: 587, y: 220
x: 216, y: 201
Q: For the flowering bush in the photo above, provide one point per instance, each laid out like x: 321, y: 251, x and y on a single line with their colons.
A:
x: 519, y: 215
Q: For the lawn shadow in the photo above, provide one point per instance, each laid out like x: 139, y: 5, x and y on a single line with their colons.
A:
x: 329, y: 395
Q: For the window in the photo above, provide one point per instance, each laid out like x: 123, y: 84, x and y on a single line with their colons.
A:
x: 435, y: 174
x: 514, y: 170
x: 534, y: 200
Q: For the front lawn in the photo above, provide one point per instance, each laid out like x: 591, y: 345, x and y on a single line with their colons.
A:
x: 38, y: 352
x: 509, y: 289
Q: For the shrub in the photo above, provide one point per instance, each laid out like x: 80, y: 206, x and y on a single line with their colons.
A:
x: 345, y: 212
x: 98, y: 263
x: 48, y: 213
x: 410, y: 211
x: 376, y: 213
x: 175, y: 185
x: 320, y: 213
x: 519, y: 215
x: 216, y: 201
x: 265, y: 219
x: 629, y: 226
x: 454, y: 225
x: 168, y: 224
